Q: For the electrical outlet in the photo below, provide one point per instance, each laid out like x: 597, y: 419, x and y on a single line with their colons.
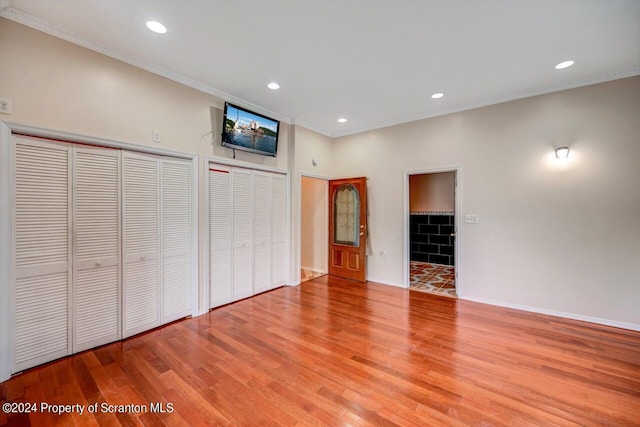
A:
x: 471, y: 219
x: 5, y: 106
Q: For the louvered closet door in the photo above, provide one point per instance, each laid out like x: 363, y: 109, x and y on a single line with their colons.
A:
x: 42, y: 275
x: 141, y: 288
x: 220, y: 230
x: 96, y: 248
x: 278, y: 230
x: 242, y: 233
x: 261, y: 231
x: 176, y: 202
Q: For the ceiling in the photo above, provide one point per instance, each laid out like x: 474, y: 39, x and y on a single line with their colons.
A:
x: 373, y: 62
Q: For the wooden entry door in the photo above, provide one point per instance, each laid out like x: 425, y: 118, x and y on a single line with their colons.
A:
x: 348, y: 228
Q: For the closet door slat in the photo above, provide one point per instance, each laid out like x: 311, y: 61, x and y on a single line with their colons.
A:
x: 141, y: 243
x: 262, y: 231
x: 279, y: 226
x: 220, y: 260
x: 242, y: 233
x: 96, y: 249
x: 41, y: 226
x: 176, y: 238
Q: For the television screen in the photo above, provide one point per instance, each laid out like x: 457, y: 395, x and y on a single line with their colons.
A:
x: 249, y: 131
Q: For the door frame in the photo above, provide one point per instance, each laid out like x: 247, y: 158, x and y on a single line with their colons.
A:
x: 458, y: 230
x: 298, y: 217
x: 359, y: 274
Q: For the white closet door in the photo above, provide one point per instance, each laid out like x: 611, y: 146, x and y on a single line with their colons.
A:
x: 278, y: 230
x: 141, y: 243
x: 42, y: 274
x: 220, y: 230
x: 96, y: 247
x: 175, y: 183
x: 241, y: 180
x: 261, y: 231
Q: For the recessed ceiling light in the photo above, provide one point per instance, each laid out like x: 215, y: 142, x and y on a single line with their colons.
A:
x: 273, y: 86
x: 156, y: 27
x: 342, y: 120
x: 437, y: 95
x: 565, y: 64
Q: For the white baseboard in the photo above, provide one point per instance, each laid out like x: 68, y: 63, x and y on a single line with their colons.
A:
x: 315, y: 270
x: 386, y: 282
x: 563, y: 314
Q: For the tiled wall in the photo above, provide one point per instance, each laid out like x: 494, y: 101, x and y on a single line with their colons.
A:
x: 430, y: 237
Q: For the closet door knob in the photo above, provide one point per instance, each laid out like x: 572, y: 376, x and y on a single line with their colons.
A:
x: 142, y: 257
x: 97, y: 263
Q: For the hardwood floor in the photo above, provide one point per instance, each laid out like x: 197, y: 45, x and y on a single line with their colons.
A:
x: 336, y: 352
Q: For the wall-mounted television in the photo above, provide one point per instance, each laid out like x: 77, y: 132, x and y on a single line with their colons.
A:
x: 248, y: 131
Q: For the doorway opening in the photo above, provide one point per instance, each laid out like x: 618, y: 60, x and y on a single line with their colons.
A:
x: 432, y: 232
x: 314, y: 227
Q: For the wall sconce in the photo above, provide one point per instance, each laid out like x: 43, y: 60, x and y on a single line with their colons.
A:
x: 562, y: 152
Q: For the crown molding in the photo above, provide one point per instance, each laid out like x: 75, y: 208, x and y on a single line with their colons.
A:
x: 44, y: 26
x: 587, y: 81
x: 13, y: 14
x: 301, y: 123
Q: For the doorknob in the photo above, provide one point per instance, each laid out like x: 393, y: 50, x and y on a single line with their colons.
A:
x: 362, y: 233
x: 453, y: 234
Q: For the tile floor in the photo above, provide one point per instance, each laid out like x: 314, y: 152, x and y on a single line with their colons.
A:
x: 432, y: 278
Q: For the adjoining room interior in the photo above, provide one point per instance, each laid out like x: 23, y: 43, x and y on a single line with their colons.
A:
x: 314, y: 227
x: 432, y: 233
x: 163, y: 197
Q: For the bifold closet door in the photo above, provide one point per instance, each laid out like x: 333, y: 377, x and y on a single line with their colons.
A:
x: 242, y: 189
x: 261, y: 231
x: 96, y: 247
x: 141, y: 243
x: 220, y: 259
x: 176, y: 212
x: 42, y: 227
x: 279, y: 226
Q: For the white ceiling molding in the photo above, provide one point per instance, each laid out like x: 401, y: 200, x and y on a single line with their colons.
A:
x: 459, y: 48
x: 36, y: 23
x: 634, y: 71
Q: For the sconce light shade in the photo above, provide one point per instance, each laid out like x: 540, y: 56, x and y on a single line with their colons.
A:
x: 562, y: 152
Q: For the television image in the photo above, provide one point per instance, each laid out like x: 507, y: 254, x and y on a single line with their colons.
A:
x: 249, y: 131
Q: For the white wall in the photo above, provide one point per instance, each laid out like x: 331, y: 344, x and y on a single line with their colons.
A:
x: 314, y: 224
x: 561, y: 237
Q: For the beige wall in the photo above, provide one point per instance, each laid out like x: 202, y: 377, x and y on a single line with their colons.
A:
x: 308, y: 145
x: 432, y: 192
x: 553, y: 236
x: 314, y: 224
x: 556, y: 237
x: 60, y: 86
